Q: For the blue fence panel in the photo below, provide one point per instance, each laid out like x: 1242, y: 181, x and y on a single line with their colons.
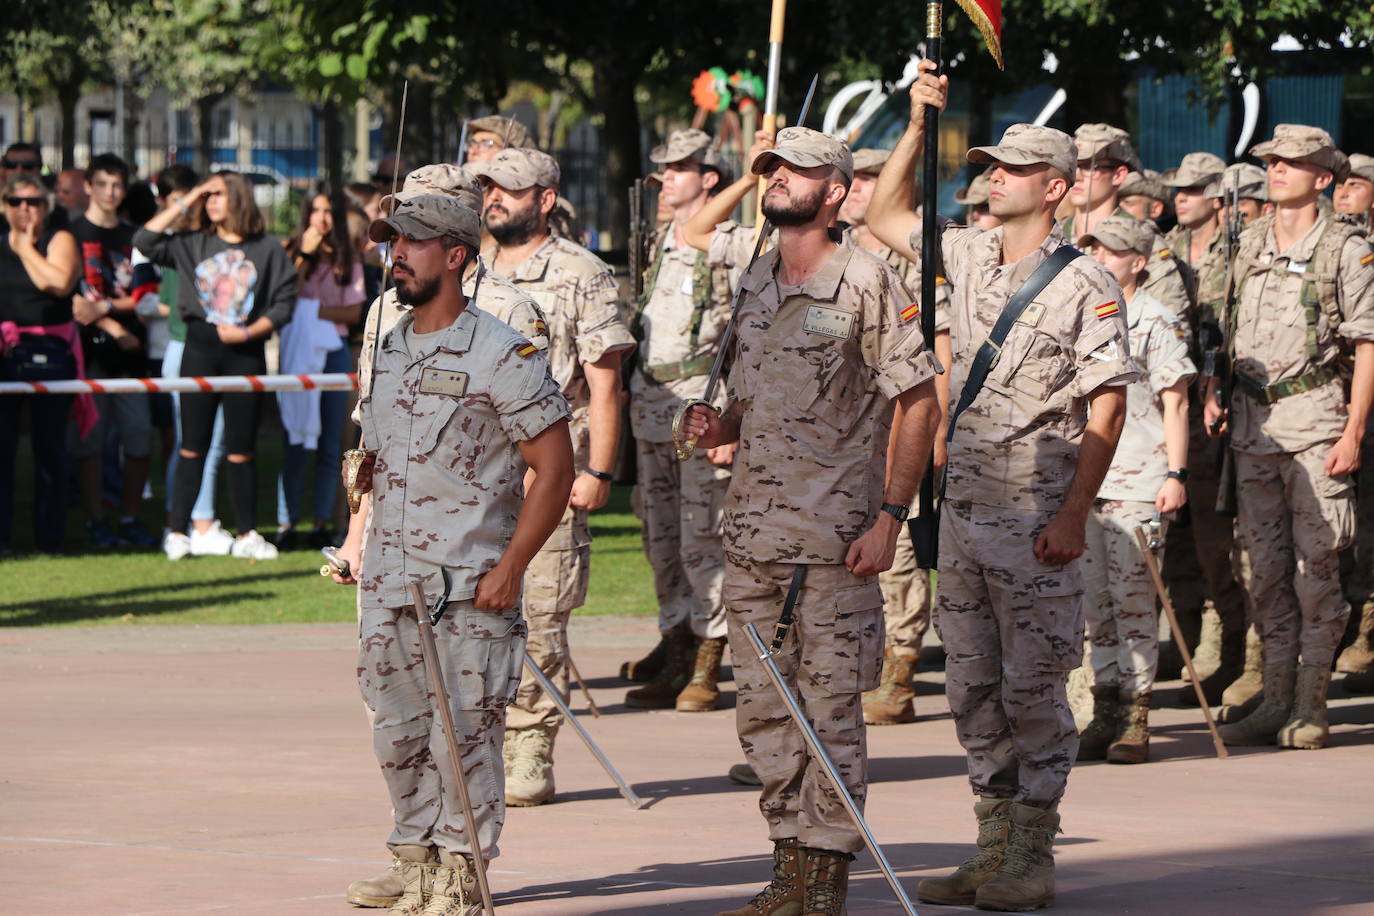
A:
x: 1173, y: 123
x: 1312, y: 99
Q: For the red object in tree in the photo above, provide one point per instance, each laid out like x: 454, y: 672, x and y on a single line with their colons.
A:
x: 987, y: 15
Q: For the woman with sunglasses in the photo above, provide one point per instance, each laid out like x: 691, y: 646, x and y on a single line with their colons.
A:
x: 38, y: 270
x: 236, y: 287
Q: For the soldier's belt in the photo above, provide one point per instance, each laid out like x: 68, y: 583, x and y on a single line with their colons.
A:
x: 1270, y: 394
x: 682, y: 368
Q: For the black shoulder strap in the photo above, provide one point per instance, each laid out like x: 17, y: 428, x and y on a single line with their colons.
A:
x: 991, y: 349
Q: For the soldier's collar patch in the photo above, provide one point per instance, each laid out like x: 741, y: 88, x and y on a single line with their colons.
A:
x: 912, y: 311
x: 1107, y: 309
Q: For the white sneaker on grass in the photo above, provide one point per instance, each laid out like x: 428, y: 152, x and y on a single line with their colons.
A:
x: 176, y: 545
x: 212, y: 542
x: 253, y: 546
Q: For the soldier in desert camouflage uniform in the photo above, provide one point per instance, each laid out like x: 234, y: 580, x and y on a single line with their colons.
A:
x: 828, y: 341
x: 1146, y: 481
x: 685, y: 307
x: 974, y: 199
x: 1303, y: 286
x: 461, y: 405
x: 1025, y: 462
x: 587, y: 339
x: 1106, y: 159
x: 1145, y: 196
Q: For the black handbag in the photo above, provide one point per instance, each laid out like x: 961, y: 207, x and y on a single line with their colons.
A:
x: 40, y: 358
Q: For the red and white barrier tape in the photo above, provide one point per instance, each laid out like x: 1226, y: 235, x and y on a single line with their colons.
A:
x: 336, y: 381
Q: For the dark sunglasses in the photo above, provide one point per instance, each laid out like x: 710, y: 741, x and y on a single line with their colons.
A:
x: 27, y: 165
x: 25, y: 201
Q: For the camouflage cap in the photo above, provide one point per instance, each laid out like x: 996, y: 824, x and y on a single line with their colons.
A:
x: 870, y: 161
x: 512, y: 130
x: 1362, y: 166
x: 1250, y: 179
x: 1025, y: 144
x: 687, y: 144
x: 804, y: 148
x: 1121, y: 233
x: 1302, y: 143
x: 429, y: 216
x: 1197, y: 170
x: 1103, y: 142
x: 516, y: 169
x: 1146, y: 184
x: 975, y: 194
x: 440, y: 178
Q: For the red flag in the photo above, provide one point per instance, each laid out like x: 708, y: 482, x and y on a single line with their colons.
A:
x: 987, y: 15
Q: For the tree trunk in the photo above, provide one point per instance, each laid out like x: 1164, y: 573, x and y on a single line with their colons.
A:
x: 615, y: 94
x: 205, y: 132
x: 68, y: 94
x: 333, y: 144
x: 1096, y: 94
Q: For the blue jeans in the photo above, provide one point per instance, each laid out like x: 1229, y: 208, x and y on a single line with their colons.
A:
x: 204, y: 510
x: 291, y: 481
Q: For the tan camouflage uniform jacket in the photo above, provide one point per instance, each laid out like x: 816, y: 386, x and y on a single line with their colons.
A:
x: 1159, y: 347
x: 816, y: 370
x: 448, y: 482
x: 1166, y: 279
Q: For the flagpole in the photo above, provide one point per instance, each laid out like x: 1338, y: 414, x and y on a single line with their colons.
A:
x: 925, y: 528
x: 770, y: 96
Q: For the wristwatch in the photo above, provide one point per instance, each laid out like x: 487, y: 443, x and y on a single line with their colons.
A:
x: 898, y: 512
x: 1181, y: 475
x: 601, y: 475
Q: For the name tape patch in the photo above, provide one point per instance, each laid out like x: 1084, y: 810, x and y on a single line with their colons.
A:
x: 443, y: 381
x: 829, y: 322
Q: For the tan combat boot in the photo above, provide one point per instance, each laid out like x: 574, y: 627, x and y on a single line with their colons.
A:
x: 1223, y: 662
x: 1243, y: 695
x: 783, y: 895
x: 744, y: 774
x: 1262, y: 726
x: 646, y: 669
x: 702, y: 693
x: 961, y: 887
x: 1307, y: 730
x: 387, y: 888
x: 1358, y: 657
x: 1132, y: 744
x: 893, y: 701
x: 414, y: 866
x: 455, y: 890
x: 826, y: 881
x: 1098, y: 734
x: 529, y: 775
x: 678, y: 662
x: 1025, y: 880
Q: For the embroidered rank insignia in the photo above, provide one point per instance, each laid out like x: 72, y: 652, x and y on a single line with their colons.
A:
x: 1367, y: 258
x: 1107, y: 309
x: 1165, y: 253
x: 527, y: 350
x: 912, y: 311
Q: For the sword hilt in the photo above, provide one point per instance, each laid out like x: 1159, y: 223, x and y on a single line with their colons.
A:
x: 686, y: 446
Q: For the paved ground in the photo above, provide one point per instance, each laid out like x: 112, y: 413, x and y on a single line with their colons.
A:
x: 169, y: 770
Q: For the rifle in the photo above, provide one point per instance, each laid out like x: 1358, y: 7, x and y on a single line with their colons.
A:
x: 1217, y: 361
x: 638, y: 229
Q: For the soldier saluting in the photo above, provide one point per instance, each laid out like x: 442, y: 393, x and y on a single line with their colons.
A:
x: 460, y: 405
x: 828, y: 343
x: 1025, y: 463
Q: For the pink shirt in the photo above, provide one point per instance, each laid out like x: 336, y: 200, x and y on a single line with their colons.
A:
x: 323, y: 285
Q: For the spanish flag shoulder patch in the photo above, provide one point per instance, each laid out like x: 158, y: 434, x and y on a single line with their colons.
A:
x: 1180, y: 333
x: 1164, y: 253
x: 540, y: 327
x: 940, y: 281
x: 911, y: 311
x: 1107, y: 309
x: 527, y: 350
x: 1367, y: 258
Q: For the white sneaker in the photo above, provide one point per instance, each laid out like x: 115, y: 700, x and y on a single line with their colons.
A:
x: 253, y: 546
x: 212, y: 542
x: 176, y: 545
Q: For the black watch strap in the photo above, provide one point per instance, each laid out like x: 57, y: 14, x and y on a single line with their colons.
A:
x: 898, y: 512
x: 601, y: 475
x: 1181, y: 475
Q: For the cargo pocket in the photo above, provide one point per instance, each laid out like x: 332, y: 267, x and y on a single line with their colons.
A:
x: 483, y: 655
x: 853, y: 660
x: 1049, y: 637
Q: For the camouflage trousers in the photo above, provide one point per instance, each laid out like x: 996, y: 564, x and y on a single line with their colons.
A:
x: 480, y: 654
x: 555, y: 586
x: 1359, y: 578
x: 1293, y: 523
x: 680, y: 504
x: 906, y: 598
x: 833, y: 654
x: 1012, y: 630
x: 1119, y: 597
x: 1203, y: 560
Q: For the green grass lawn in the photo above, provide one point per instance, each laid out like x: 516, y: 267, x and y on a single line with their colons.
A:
x: 138, y: 587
